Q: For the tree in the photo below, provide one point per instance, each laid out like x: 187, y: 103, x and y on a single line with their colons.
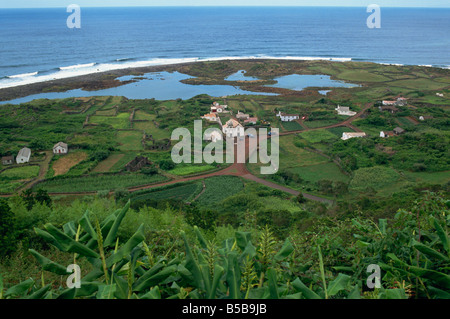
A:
x: 7, y: 229
x: 43, y: 197
x: 166, y: 165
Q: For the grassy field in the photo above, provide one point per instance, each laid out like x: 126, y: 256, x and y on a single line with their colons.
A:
x: 182, y: 192
x: 292, y: 126
x: 373, y: 177
x: 97, y: 182
x: 219, y: 188
x: 315, y: 173
x: 107, y: 164
x: 183, y: 170
x: 318, y: 136
x: 13, y: 178
x: 121, y: 121
x: 129, y: 140
x: 65, y: 162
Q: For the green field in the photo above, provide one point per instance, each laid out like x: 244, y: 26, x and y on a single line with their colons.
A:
x: 22, y: 172
x: 183, y: 192
x: 373, y: 177
x: 292, y: 126
x: 315, y: 173
x: 318, y: 136
x: 121, y: 121
x: 130, y: 140
x: 183, y: 170
x: 97, y: 182
x: 219, y: 188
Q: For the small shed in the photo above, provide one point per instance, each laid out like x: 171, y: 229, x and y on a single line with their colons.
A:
x: 60, y: 148
x: 7, y: 160
x: 399, y: 130
x: 23, y: 156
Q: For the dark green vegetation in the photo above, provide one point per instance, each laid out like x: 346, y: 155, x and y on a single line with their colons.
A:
x: 253, y: 241
x: 155, y: 258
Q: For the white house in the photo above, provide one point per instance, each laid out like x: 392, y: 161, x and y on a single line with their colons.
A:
x: 287, y: 117
x: 233, y: 128
x: 212, y: 117
x: 214, y: 136
x: 385, y: 134
x: 60, y: 148
x: 348, y: 135
x: 216, y: 107
x: 344, y: 110
x: 242, y: 116
x: 23, y: 156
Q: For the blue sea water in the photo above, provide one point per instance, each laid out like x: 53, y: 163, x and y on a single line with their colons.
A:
x: 38, y: 40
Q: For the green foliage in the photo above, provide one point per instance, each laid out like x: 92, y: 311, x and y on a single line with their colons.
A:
x: 7, y: 229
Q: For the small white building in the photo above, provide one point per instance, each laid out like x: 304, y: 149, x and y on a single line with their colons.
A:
x: 214, y: 136
x: 344, y: 110
x: 242, y: 116
x: 212, y: 117
x: 23, y: 156
x: 233, y: 128
x: 287, y: 117
x: 385, y: 134
x: 349, y: 135
x: 60, y: 148
x: 216, y: 107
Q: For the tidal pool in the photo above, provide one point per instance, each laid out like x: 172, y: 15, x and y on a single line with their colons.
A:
x: 158, y: 85
x: 298, y: 82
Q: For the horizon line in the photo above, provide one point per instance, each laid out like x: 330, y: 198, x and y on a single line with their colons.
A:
x: 231, y: 6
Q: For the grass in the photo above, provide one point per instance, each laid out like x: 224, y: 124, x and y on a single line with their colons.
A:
x: 375, y: 177
x: 315, y: 173
x: 129, y: 140
x: 97, y: 182
x: 317, y: 136
x: 22, y: 172
x: 339, y: 130
x: 219, y: 188
x: 65, y: 162
x: 183, y: 192
x: 121, y: 121
x: 321, y: 123
x: 107, y: 164
x: 191, y: 169
x: 292, y: 126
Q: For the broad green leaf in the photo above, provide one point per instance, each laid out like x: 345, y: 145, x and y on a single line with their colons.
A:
x: 430, y: 252
x: 112, y: 234
x: 68, y: 244
x: 106, y: 291
x: 242, y: 238
x: 200, y: 237
x: 285, y: 251
x: 306, y: 292
x: 21, y: 289
x: 442, y: 235
x: 39, y: 294
x: 233, y: 276
x: 218, y: 273
x: 126, y: 249
x: 154, y: 293
x: 48, y: 264
x: 273, y: 287
x: 382, y: 224
x: 155, y: 279
x: 394, y: 294
x: 87, y: 226
x: 340, y: 283
x: 192, y: 265
x: 438, y: 293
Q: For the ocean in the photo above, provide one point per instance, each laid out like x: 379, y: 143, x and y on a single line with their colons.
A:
x: 36, y: 44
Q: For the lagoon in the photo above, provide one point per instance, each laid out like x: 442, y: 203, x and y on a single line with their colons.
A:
x: 157, y: 85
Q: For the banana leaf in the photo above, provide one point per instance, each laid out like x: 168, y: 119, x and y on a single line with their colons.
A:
x: 48, y: 264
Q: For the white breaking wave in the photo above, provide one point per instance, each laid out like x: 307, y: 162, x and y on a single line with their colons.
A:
x: 77, y: 66
x: 91, y: 68
x: 24, y: 75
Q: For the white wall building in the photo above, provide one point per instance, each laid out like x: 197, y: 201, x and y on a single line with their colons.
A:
x: 349, y: 135
x: 287, y: 117
x: 233, y: 128
x: 344, y: 110
x: 23, y: 156
x: 60, y: 148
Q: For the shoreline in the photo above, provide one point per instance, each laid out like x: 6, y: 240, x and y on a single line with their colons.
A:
x: 95, y: 81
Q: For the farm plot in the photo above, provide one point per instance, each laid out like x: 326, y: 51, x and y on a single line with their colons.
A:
x: 97, y: 182
x: 292, y: 126
x: 315, y: 173
x: 13, y: 178
x: 129, y: 140
x: 121, y: 121
x: 184, y: 192
x: 107, y: 164
x: 63, y: 164
x: 219, y: 188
